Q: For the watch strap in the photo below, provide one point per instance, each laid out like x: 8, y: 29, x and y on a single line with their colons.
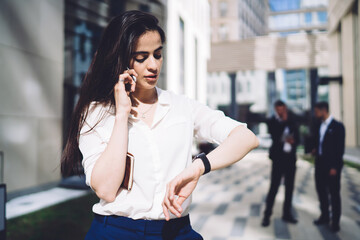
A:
x: 205, y: 161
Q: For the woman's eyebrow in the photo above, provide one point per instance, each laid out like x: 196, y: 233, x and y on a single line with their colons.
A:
x: 144, y: 52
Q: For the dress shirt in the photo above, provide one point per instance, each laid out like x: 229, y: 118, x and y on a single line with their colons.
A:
x: 323, y: 127
x: 287, y: 146
x: 161, y: 151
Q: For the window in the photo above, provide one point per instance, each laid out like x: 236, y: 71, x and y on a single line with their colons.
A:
x: 223, y: 32
x: 322, y: 17
x: 81, y: 41
x: 238, y: 86
x: 285, y: 21
x: 308, y: 17
x: 284, y: 5
x: 223, y: 8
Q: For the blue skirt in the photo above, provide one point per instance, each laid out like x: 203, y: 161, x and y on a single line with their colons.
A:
x: 117, y: 227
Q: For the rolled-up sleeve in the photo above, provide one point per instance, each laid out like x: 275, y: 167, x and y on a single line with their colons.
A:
x: 92, y: 142
x: 212, y: 125
x: 91, y: 146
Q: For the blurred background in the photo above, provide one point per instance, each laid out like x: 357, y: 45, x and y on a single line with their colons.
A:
x: 238, y: 56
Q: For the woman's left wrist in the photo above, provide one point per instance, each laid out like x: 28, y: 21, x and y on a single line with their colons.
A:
x: 199, y: 167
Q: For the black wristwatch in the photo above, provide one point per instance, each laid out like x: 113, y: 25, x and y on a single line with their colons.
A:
x: 205, y: 161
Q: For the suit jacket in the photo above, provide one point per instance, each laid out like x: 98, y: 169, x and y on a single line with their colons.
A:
x: 276, y: 129
x: 333, y: 145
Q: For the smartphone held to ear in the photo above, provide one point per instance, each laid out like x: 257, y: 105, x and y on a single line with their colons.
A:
x: 128, y: 85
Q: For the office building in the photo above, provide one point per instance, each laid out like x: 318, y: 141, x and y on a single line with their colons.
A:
x: 343, y: 66
x: 233, y: 21
x: 298, y: 87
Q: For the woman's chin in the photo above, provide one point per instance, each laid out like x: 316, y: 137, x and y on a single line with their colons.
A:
x: 151, y: 82
x: 147, y: 85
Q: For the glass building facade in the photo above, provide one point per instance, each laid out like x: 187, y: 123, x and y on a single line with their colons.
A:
x: 293, y: 16
x: 288, y: 17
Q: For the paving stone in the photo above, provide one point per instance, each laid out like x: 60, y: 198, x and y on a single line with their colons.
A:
x: 221, y: 209
x: 255, y: 210
x: 228, y: 204
x: 239, y: 227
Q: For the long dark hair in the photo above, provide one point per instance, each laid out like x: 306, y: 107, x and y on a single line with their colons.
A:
x: 110, y: 60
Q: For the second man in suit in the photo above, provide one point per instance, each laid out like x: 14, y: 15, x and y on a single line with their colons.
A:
x: 330, y: 143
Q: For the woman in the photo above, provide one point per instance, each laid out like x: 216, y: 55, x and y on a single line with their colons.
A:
x: 156, y: 126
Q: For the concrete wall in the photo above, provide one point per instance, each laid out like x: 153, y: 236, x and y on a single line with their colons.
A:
x: 337, y: 9
x: 335, y: 88
x: 31, y: 89
x: 348, y: 67
x: 357, y: 75
x: 269, y: 53
x: 344, y: 35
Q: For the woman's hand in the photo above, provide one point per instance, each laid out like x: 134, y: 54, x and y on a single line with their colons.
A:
x: 180, y: 188
x: 122, y: 97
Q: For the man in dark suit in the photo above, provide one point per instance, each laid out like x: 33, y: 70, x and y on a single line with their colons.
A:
x: 329, y: 151
x: 284, y: 134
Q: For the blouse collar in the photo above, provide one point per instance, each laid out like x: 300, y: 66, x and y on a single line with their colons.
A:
x: 164, y: 102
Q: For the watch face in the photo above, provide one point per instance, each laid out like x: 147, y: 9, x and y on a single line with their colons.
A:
x: 196, y: 156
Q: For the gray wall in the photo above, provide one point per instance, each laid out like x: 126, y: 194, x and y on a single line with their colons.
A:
x: 31, y: 89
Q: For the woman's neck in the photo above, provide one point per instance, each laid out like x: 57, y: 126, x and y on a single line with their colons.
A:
x: 147, y: 96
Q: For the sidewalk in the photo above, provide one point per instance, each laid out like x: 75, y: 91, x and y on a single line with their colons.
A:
x: 228, y: 203
x: 33, y: 202
x: 67, y: 189
x: 352, y: 155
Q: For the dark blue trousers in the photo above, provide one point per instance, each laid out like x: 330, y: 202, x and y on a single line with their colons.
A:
x: 117, y: 227
x: 328, y: 186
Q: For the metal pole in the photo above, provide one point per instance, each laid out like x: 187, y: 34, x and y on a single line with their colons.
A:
x: 233, y: 104
x: 314, y: 82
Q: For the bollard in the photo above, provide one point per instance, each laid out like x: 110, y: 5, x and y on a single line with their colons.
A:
x: 1, y: 167
x: 2, y: 199
x: 2, y: 211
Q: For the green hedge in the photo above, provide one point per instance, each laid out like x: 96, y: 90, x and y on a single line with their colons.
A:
x: 66, y: 221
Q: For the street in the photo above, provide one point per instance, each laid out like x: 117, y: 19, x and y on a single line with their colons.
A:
x: 228, y: 204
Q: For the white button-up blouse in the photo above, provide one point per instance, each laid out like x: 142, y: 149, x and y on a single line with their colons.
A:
x: 161, y: 151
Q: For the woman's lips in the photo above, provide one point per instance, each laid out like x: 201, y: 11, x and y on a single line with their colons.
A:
x: 151, y: 77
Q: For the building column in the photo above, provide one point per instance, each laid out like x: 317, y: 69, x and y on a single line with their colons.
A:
x: 335, y: 96
x: 348, y: 69
x: 357, y: 78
